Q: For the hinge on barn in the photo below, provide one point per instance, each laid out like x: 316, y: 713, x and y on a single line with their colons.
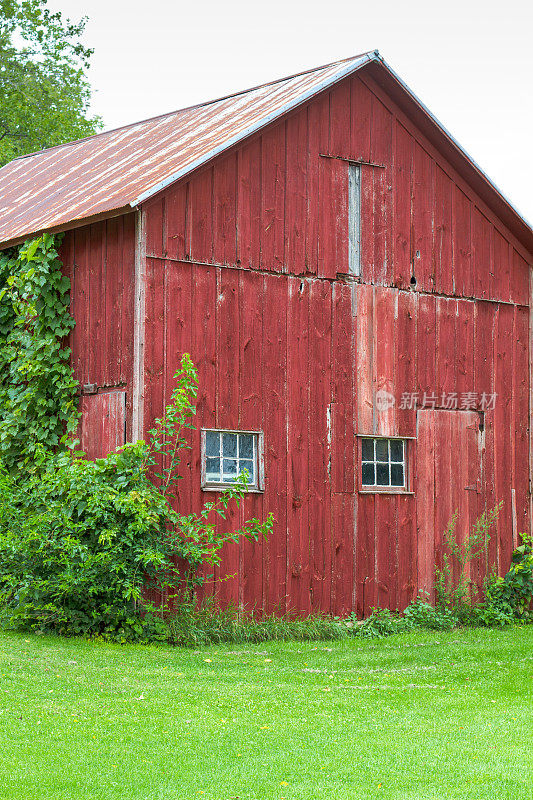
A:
x: 90, y: 388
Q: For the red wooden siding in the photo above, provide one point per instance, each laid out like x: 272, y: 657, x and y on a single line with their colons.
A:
x: 280, y: 354
x: 99, y: 260
x: 103, y: 423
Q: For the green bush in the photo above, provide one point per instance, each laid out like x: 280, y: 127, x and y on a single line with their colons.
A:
x: 83, y: 544
x: 510, y: 596
x: 79, y: 541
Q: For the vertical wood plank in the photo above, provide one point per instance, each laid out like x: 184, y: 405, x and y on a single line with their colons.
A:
x: 381, y: 153
x: 296, y: 192
x: 423, y: 218
x: 273, y: 166
x: 318, y: 133
x: 425, y: 502
x: 319, y: 441
x: 251, y: 393
x: 249, y: 204
x: 298, y: 437
x: 200, y: 216
x: 405, y: 379
x: 224, y: 210
x: 443, y: 232
x: 402, y: 207
x: 275, y: 354
x: 176, y: 217
x: 365, y: 356
x: 462, y: 244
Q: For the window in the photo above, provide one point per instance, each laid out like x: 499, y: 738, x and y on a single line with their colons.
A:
x: 354, y: 217
x: 383, y: 463
x: 226, y: 454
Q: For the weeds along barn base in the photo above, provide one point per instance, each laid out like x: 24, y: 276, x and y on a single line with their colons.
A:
x: 356, y: 296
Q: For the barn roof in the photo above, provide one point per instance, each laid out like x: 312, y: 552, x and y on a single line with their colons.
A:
x: 117, y: 170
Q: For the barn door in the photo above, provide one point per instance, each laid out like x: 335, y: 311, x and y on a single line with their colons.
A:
x: 103, y: 423
x: 448, y: 478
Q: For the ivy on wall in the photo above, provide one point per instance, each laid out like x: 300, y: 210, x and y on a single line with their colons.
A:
x: 38, y: 392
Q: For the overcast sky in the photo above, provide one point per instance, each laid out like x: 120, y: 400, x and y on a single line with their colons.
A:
x: 469, y: 61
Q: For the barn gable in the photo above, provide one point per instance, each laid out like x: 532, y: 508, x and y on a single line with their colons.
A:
x: 115, y: 171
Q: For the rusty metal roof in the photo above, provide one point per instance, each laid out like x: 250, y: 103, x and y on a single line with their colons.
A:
x: 119, y: 169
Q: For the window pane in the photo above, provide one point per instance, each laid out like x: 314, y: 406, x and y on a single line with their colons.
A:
x: 212, y: 469
x: 246, y: 445
x: 396, y: 450
x: 369, y: 475
x: 247, y: 464
x: 229, y: 445
x: 396, y: 474
x: 382, y: 450
x: 382, y: 474
x: 212, y: 443
x: 230, y: 468
x: 368, y: 449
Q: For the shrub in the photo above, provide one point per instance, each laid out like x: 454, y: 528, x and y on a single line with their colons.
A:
x: 511, y: 595
x: 82, y: 543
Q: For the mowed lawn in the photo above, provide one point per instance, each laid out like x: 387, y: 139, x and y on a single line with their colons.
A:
x: 431, y: 715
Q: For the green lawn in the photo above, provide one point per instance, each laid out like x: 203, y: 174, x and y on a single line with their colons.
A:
x: 444, y: 715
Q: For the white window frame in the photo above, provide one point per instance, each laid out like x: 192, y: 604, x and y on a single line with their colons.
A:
x: 381, y: 487
x: 258, y: 486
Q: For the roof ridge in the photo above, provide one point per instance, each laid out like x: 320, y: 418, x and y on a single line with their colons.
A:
x: 190, y: 108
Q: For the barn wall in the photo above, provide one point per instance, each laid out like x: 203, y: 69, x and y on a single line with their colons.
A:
x: 245, y: 270
x: 302, y: 360
x: 99, y: 260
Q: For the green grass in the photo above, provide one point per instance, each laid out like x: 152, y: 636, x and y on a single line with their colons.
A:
x: 425, y: 715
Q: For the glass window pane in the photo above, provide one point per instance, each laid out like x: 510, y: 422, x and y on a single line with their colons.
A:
x: 382, y: 450
x: 246, y: 445
x: 229, y: 445
x: 248, y: 464
x: 382, y: 474
x: 212, y: 469
x: 396, y: 474
x: 369, y: 475
x: 212, y: 443
x: 230, y: 468
x: 368, y: 449
x: 396, y: 450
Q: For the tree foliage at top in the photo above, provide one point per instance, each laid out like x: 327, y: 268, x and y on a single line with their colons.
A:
x: 44, y: 92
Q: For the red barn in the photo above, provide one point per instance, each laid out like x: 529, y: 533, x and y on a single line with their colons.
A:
x: 355, y: 293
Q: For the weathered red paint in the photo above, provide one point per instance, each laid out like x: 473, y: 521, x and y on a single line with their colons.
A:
x: 246, y: 269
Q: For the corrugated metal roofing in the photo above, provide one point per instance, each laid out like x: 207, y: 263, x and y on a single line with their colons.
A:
x: 119, y: 169
x: 122, y: 167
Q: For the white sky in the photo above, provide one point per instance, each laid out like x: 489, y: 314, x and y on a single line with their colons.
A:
x: 469, y: 61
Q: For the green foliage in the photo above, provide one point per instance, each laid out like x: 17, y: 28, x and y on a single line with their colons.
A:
x: 510, y: 597
x: 37, y: 388
x: 452, y: 585
x: 44, y: 92
x: 78, y: 541
x: 83, y: 544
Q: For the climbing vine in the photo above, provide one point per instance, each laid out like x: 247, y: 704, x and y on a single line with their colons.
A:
x: 37, y: 388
